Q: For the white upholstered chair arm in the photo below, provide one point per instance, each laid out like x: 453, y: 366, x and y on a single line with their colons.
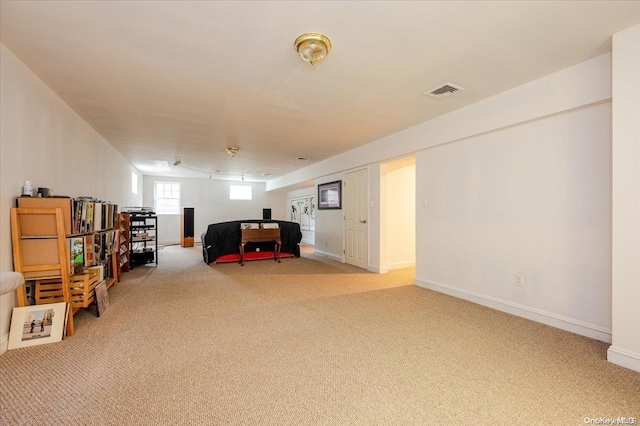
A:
x: 9, y: 281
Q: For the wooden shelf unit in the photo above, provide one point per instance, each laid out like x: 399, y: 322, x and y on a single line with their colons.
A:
x: 41, y: 239
x: 124, y: 256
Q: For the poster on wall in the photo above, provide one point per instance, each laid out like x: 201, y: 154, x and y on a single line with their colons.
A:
x: 295, y: 210
x: 303, y: 212
x: 312, y: 214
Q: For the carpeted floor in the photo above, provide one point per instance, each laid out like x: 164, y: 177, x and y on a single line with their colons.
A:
x: 305, y: 342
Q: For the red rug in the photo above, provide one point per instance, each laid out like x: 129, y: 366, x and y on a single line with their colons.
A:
x: 251, y: 255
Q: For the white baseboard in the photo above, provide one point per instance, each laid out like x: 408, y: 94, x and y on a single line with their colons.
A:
x: 400, y: 265
x: 623, y: 358
x: 390, y: 267
x: 310, y: 242
x: 329, y: 255
x: 548, y: 318
x: 377, y: 269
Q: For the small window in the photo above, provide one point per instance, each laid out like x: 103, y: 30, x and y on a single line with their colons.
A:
x: 239, y: 192
x: 134, y: 183
x: 166, y: 197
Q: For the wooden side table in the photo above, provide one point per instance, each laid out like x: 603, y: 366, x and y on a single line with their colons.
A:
x: 260, y: 236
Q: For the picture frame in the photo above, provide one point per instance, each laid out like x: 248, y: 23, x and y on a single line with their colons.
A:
x: 37, y: 325
x: 303, y: 212
x: 330, y: 195
x: 102, y: 298
x: 295, y: 210
x: 312, y: 213
x: 76, y: 254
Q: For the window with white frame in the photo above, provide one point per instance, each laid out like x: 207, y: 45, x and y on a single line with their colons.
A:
x: 240, y: 192
x: 166, y: 197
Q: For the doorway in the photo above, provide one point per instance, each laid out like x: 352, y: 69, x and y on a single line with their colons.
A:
x: 398, y: 213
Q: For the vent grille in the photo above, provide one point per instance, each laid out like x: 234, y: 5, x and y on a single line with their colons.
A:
x: 444, y: 90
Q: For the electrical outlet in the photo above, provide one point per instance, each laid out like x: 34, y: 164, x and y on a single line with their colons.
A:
x: 518, y: 280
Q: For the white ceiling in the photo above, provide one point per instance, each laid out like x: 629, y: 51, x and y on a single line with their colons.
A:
x: 158, y: 79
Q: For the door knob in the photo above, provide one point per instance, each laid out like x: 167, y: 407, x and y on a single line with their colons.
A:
x: 363, y: 221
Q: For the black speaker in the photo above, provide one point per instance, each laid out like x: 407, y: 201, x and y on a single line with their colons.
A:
x: 266, y: 214
x: 187, y: 219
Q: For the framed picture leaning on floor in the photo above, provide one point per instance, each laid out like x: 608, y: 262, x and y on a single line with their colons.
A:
x: 37, y: 324
x: 102, y: 298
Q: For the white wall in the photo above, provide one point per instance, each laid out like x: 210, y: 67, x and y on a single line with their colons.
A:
x: 210, y: 200
x: 308, y: 237
x: 625, y: 350
x: 330, y: 226
x: 377, y: 218
x: 44, y: 141
x: 532, y: 199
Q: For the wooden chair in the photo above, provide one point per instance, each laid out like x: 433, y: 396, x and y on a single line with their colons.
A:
x: 40, y: 253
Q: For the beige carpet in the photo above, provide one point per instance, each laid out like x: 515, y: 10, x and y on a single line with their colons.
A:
x: 305, y: 342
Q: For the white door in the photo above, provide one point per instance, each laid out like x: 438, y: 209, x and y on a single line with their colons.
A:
x: 355, y: 215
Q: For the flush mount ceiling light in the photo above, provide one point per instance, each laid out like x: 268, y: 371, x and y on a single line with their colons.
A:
x: 312, y: 47
x: 232, y: 150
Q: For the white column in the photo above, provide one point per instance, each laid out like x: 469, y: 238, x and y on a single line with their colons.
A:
x: 625, y: 348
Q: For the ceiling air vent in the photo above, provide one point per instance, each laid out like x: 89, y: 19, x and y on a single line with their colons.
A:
x: 444, y: 90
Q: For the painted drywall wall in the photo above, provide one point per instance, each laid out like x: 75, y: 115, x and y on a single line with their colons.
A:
x: 330, y: 227
x: 308, y: 237
x: 377, y: 218
x: 400, y: 219
x: 210, y: 200
x: 46, y: 142
x: 532, y: 199
x: 625, y: 349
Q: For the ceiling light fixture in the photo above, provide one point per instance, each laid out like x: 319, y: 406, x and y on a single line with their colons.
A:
x: 232, y: 150
x: 312, y: 47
